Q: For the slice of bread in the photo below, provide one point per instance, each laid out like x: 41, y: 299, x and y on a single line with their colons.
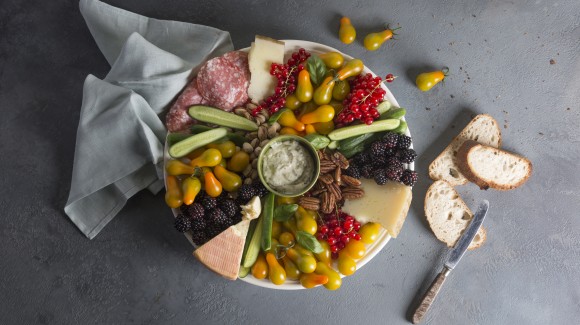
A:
x: 491, y: 167
x: 448, y: 215
x: 484, y: 129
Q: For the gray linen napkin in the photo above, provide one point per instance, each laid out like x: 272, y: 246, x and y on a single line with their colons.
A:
x: 119, y: 147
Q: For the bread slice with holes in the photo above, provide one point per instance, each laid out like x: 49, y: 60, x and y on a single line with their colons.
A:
x: 491, y: 167
x: 448, y: 215
x: 483, y: 129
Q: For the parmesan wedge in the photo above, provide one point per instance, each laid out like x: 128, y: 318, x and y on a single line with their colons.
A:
x: 386, y: 205
x: 223, y: 253
x: 263, y: 52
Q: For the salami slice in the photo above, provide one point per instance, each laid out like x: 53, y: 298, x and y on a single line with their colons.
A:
x: 177, y: 119
x: 223, y: 83
x: 239, y: 59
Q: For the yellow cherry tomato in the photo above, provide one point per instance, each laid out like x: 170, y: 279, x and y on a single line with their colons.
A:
x: 286, y: 200
x: 288, y: 119
x: 373, y: 41
x: 323, y: 94
x: 276, y: 229
x: 312, y: 280
x: 292, y: 271
x: 173, y: 196
x: 212, y: 186
x: 355, y: 249
x: 286, y: 239
x: 209, y: 158
x: 175, y: 167
x: 196, y: 153
x: 305, y: 222
x: 324, y: 256
x: 324, y: 113
x: 346, y: 32
x: 309, y: 129
x: 304, y: 88
x: 226, y: 148
x: 305, y: 263
x: 275, y: 270
x: 346, y: 264
x: 334, y: 280
x: 324, y: 127
x: 352, y: 68
x: 191, y: 187
x: 289, y: 130
x: 292, y: 102
x: 230, y: 181
x: 260, y: 267
x: 239, y: 161
x: 333, y: 60
x: 426, y: 81
x: 369, y: 232
x: 341, y: 90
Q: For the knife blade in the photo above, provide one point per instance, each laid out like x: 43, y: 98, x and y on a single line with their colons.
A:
x: 454, y: 256
x: 465, y: 240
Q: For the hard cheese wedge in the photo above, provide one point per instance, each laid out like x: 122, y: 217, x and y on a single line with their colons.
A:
x: 263, y: 53
x: 386, y: 205
x: 223, y: 253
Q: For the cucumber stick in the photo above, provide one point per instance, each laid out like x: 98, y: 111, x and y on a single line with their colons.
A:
x: 244, y: 271
x: 384, y: 107
x: 354, y: 130
x: 253, y: 246
x: 217, y: 116
x: 267, y: 218
x: 193, y: 142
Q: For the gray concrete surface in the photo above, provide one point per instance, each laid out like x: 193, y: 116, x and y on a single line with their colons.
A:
x: 139, y: 270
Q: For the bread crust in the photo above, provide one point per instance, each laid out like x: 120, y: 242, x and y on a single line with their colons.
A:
x: 467, y: 170
x: 456, y: 139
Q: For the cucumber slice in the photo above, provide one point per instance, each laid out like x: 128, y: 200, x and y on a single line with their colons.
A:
x: 384, y: 107
x: 401, y: 128
x: 244, y: 271
x: 397, y: 113
x: 193, y: 142
x: 217, y: 116
x: 352, y: 131
x: 333, y: 145
x: 173, y: 138
x: 267, y: 218
x: 253, y: 250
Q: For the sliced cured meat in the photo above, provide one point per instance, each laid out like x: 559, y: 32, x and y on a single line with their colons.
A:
x: 223, y: 83
x: 239, y: 59
x: 177, y: 119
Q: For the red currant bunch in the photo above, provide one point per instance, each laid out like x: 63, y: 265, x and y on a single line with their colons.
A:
x: 362, y: 101
x: 286, y: 75
x: 338, y: 229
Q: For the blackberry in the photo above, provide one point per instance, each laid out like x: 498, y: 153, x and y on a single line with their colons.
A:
x: 260, y: 189
x: 406, y: 155
x: 198, y: 225
x: 390, y: 152
x: 213, y: 230
x: 394, y: 172
x: 404, y: 142
x: 380, y: 177
x: 362, y: 159
x: 246, y: 192
x: 218, y: 217
x: 380, y: 161
x: 394, y: 161
x: 199, y: 238
x: 409, y: 177
x: 353, y: 171
x: 195, y: 211
x: 367, y: 171
x: 208, y: 202
x: 378, y: 149
x: 229, y: 207
x: 182, y: 223
x: 237, y: 218
x: 390, y: 140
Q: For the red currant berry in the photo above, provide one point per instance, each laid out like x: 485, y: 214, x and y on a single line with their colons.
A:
x: 331, y: 240
x: 347, y: 224
x: 334, y: 248
x: 356, y: 226
x: 323, y: 229
x: 390, y: 78
x: 344, y: 239
x: 337, y: 231
x: 320, y: 236
x: 334, y: 256
x: 340, y: 245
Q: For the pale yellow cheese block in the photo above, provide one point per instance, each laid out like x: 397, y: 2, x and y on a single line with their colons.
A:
x: 263, y: 52
x: 386, y: 205
x: 223, y: 253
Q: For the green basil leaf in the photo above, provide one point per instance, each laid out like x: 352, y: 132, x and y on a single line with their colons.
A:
x: 276, y: 116
x: 284, y: 212
x: 308, y: 241
x: 317, y: 141
x: 316, y: 68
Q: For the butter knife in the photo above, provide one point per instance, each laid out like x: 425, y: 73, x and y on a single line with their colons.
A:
x: 454, y: 256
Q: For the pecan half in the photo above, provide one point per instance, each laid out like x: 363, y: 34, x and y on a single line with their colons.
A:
x: 351, y: 181
x: 340, y: 160
x: 337, y: 176
x: 309, y: 203
x: 351, y: 193
x: 326, y: 178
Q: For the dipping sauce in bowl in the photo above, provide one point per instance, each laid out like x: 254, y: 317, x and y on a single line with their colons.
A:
x: 288, y: 165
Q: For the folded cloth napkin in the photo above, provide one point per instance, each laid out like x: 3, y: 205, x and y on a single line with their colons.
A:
x: 119, y: 146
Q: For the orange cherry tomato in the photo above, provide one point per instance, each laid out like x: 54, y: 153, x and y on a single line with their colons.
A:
x: 346, y: 32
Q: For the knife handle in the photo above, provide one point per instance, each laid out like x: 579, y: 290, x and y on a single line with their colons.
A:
x: 430, y: 295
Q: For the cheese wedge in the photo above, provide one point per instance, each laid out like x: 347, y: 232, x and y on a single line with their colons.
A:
x: 263, y: 52
x: 223, y: 253
x: 386, y: 205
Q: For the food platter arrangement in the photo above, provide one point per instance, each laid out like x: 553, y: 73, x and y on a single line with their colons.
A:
x: 288, y: 164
